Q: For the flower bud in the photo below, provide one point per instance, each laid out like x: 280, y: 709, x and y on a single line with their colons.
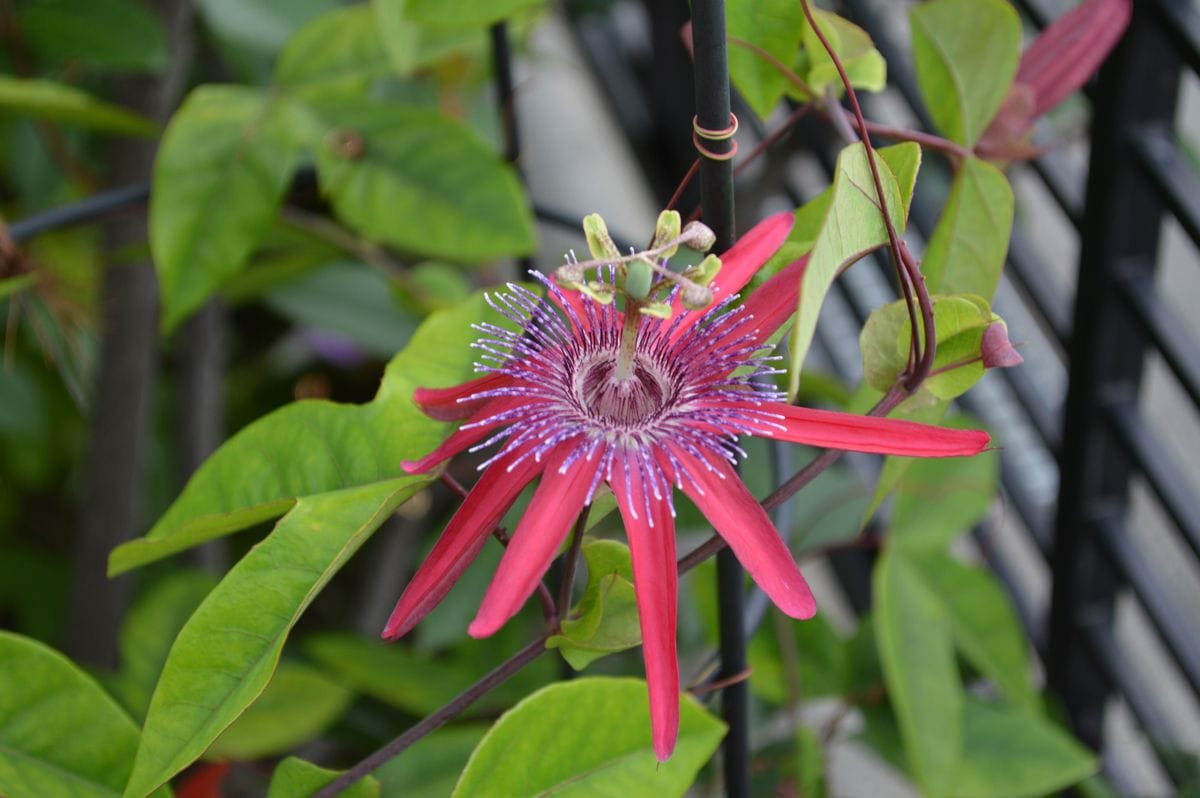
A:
x: 666, y: 230
x: 996, y: 350
x: 599, y: 242
x: 698, y: 236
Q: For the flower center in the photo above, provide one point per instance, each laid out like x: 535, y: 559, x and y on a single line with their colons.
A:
x: 628, y: 402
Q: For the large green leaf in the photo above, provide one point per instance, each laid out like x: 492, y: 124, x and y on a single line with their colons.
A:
x: 966, y: 54
x: 851, y: 227
x: 967, y: 249
x: 475, y: 13
x: 58, y: 102
x: 313, y: 447
x: 220, y: 174
x: 340, y: 51
x: 917, y: 654
x: 588, y: 737
x: 295, y: 778
x: 431, y: 767
x: 148, y: 631
x: 606, y: 618
x: 985, y: 627
x: 408, y: 177
x: 226, y: 653
x: 117, y: 35
x: 774, y: 26
x: 60, y: 734
x: 864, y: 64
x: 1012, y: 753
x: 299, y: 703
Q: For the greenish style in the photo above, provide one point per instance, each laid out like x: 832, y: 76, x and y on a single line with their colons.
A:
x: 967, y: 250
x: 60, y: 733
x: 312, y: 447
x: 295, y: 778
x: 917, y: 653
x: 606, y: 618
x: 298, y: 704
x: 540, y: 747
x: 220, y: 174
x: 966, y: 54
x: 57, y: 102
x: 226, y: 653
x: 850, y: 228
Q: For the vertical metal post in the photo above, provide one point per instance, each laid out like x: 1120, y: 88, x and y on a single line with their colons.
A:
x: 502, y: 73
x: 716, y: 199
x: 1120, y: 232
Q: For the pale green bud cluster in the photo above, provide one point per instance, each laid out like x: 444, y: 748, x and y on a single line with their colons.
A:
x: 643, y: 276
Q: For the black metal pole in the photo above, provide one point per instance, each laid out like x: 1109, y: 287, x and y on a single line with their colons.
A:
x: 716, y: 200
x: 502, y: 69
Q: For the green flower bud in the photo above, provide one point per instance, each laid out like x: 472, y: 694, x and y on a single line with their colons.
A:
x: 638, y: 278
x: 599, y: 242
x: 666, y: 230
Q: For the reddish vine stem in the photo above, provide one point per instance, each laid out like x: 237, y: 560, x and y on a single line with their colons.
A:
x: 570, y: 566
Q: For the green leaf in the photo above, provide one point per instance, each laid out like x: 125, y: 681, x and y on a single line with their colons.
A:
x: 341, y: 52
x: 774, y: 26
x: 431, y: 766
x: 226, y: 653
x: 149, y: 630
x: 985, y: 627
x: 60, y: 734
x: 588, y: 736
x: 412, y: 44
x: 851, y: 228
x: 117, y: 35
x: 45, y: 99
x: 313, y: 447
x: 418, y: 181
x: 1010, y: 753
x: 15, y: 285
x: 298, y: 704
x: 917, y: 653
x: 966, y: 54
x: 940, y: 499
x: 295, y: 778
x: 864, y: 64
x: 464, y: 13
x: 814, y: 657
x: 350, y: 300
x: 967, y: 250
x: 220, y: 174
x: 606, y: 618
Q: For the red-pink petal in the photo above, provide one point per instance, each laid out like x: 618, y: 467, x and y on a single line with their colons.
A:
x: 464, y: 437
x: 744, y: 525
x: 775, y: 301
x: 466, y: 533
x: 853, y: 433
x: 554, y: 507
x: 1071, y: 49
x: 444, y: 403
x: 655, y: 580
x: 747, y: 256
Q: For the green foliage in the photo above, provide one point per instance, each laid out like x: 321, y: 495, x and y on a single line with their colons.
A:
x: 863, y: 64
x: 812, y: 664
x: 116, y: 35
x: 432, y: 765
x: 60, y: 733
x: 299, y: 703
x: 606, y: 619
x: 850, y: 228
x: 295, y: 778
x: 476, y: 13
x: 966, y: 54
x: 774, y: 26
x: 967, y: 249
x: 45, y: 99
x: 540, y: 747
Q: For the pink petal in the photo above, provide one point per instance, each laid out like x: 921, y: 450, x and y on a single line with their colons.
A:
x: 737, y: 517
x: 853, y: 433
x: 655, y: 581
x: 466, y: 533
x: 554, y: 507
x: 1071, y: 49
x: 746, y: 257
x: 465, y: 437
x: 775, y: 301
x: 443, y: 403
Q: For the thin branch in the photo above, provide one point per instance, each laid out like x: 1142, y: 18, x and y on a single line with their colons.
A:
x: 570, y: 565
